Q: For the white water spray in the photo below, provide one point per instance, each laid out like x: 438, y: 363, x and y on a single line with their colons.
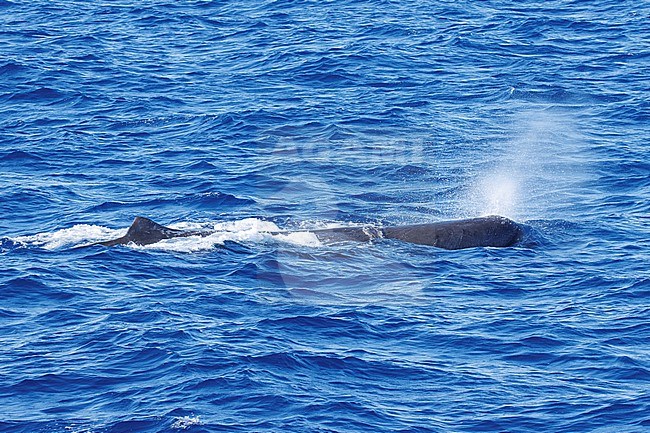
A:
x: 532, y: 172
x: 500, y: 194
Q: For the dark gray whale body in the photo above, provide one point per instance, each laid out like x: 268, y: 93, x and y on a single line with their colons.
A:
x: 490, y: 231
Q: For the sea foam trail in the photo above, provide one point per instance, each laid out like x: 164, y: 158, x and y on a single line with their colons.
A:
x: 76, y: 235
x: 249, y: 230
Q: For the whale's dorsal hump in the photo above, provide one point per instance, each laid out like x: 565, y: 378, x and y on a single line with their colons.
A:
x: 144, y: 231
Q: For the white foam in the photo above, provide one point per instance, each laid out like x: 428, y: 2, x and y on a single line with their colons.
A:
x: 76, y: 235
x: 185, y: 422
x: 77, y: 429
x: 299, y: 238
x: 248, y: 230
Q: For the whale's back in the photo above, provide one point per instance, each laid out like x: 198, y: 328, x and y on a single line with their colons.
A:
x: 491, y: 231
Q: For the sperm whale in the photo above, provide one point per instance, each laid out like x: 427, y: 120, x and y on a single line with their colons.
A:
x: 489, y: 231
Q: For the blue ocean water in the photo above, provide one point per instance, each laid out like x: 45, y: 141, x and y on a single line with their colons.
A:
x: 249, y: 116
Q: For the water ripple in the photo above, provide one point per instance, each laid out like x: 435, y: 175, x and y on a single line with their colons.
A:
x: 241, y: 116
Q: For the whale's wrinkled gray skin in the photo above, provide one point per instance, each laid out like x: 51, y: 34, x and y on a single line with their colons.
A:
x: 490, y: 231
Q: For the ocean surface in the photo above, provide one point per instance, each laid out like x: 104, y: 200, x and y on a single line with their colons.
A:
x: 252, y: 116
